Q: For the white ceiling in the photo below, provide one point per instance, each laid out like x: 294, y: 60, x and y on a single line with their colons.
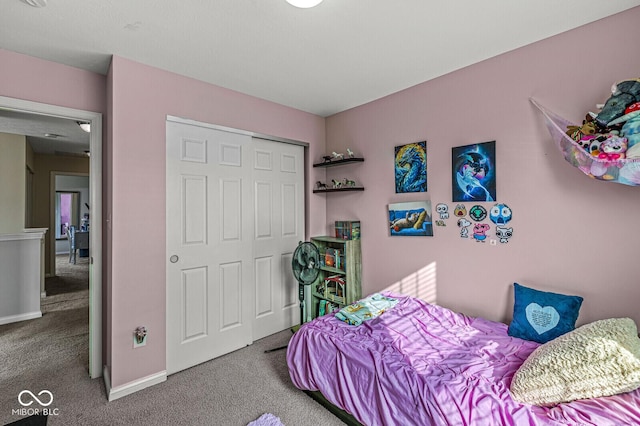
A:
x: 338, y: 55
x: 63, y: 136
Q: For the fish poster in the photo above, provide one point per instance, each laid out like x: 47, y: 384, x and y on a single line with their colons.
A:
x: 411, y: 167
x: 474, y: 172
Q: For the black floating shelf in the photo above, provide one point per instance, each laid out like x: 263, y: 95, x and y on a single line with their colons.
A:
x: 355, y: 188
x: 338, y: 162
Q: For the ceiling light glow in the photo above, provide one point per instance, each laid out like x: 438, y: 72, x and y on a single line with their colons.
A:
x: 85, y: 126
x: 304, y: 4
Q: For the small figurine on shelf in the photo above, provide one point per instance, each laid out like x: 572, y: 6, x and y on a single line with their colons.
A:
x: 350, y: 153
x: 337, y: 156
x: 336, y: 184
x: 326, y: 158
x: 321, y: 185
x: 349, y: 182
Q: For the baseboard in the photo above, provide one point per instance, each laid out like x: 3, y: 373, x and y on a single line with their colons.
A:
x: 21, y: 317
x: 131, y: 387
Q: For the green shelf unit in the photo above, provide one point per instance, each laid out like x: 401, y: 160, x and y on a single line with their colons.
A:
x: 347, y: 270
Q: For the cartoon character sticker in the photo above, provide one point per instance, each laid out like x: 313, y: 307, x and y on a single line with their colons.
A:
x: 504, y: 234
x: 500, y: 214
x: 464, y: 224
x: 478, y: 213
x: 460, y: 210
x: 443, y: 210
x: 480, y: 231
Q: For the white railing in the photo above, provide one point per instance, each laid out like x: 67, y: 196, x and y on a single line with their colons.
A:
x: 21, y: 275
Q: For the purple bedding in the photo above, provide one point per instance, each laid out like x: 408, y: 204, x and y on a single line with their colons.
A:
x: 421, y: 364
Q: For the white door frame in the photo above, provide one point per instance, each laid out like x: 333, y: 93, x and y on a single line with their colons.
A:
x: 233, y: 130
x: 95, y: 196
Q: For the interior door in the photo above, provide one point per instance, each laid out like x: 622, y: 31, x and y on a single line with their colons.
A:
x: 209, y: 244
x: 278, y: 181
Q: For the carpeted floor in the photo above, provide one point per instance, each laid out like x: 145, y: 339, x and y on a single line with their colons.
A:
x: 69, y: 289
x: 52, y: 353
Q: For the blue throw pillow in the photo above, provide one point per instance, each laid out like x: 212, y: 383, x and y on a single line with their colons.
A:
x: 542, y: 316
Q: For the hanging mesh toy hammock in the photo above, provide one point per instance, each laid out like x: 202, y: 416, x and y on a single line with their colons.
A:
x: 625, y: 171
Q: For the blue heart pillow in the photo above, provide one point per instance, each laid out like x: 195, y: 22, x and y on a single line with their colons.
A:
x: 542, y: 316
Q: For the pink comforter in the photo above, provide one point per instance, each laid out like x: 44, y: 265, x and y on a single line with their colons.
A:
x: 421, y: 364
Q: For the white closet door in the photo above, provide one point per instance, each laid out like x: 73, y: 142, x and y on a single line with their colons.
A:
x: 235, y: 214
x: 209, y: 244
x: 278, y: 181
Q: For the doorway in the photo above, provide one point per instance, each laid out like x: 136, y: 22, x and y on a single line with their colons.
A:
x: 70, y: 198
x: 95, y: 190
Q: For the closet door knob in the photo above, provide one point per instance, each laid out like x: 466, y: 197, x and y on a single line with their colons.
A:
x: 174, y: 259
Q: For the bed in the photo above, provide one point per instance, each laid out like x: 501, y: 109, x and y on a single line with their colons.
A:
x: 422, y: 364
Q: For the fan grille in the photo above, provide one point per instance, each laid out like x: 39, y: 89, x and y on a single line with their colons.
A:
x: 305, y: 263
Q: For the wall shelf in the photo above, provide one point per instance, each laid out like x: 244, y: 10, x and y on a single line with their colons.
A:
x: 346, y: 189
x: 339, y: 162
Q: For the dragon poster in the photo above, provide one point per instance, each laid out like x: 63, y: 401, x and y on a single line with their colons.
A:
x: 411, y: 167
x: 474, y: 172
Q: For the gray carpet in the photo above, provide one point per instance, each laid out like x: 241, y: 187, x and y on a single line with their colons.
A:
x: 51, y: 353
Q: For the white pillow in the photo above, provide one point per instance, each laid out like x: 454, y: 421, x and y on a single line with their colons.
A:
x: 598, y: 359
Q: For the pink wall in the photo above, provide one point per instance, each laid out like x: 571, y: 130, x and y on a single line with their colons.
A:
x: 28, y: 78
x: 572, y: 234
x: 140, y: 99
x: 32, y: 79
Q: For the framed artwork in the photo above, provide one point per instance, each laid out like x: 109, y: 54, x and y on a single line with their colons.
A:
x: 411, y: 167
x: 474, y: 172
x: 411, y: 219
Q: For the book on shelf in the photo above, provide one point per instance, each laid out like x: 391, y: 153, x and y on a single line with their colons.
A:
x: 347, y: 229
x: 325, y: 307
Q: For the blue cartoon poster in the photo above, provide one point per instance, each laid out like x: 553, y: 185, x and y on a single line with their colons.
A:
x: 411, y: 167
x: 474, y: 172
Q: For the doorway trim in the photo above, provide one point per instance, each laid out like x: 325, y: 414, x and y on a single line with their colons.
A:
x: 95, y: 196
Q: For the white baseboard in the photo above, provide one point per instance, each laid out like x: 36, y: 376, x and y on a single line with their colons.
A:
x: 21, y: 317
x: 131, y: 387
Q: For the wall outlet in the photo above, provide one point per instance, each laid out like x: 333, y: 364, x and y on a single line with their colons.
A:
x: 137, y: 344
x: 139, y: 336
